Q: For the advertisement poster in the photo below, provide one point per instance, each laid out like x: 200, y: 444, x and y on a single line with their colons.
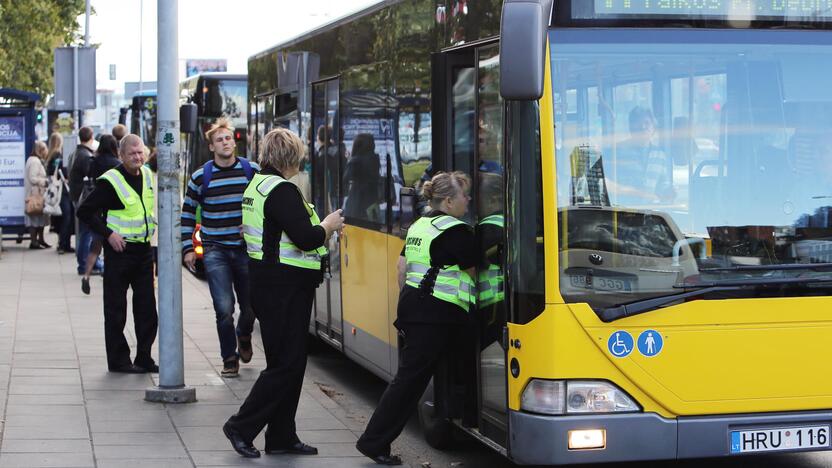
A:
x: 12, y: 170
x: 197, y: 66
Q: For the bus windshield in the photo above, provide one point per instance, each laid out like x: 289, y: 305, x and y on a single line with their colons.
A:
x: 228, y: 98
x: 685, y: 157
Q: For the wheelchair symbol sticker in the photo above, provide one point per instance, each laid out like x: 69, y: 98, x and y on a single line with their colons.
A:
x: 620, y: 344
x: 650, y: 343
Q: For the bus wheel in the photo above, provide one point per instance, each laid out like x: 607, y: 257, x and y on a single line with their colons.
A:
x: 439, y: 432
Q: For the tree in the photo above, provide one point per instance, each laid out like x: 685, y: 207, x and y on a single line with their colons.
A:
x: 29, y: 32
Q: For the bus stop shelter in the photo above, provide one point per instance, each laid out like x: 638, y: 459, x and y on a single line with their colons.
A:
x: 17, y: 136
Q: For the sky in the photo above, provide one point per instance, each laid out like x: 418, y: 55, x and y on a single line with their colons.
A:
x: 208, y: 29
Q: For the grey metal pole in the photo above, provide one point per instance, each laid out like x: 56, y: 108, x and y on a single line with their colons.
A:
x: 87, y: 25
x: 141, y: 43
x: 171, y: 387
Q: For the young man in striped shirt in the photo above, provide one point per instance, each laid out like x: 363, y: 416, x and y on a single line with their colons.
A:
x: 217, y: 188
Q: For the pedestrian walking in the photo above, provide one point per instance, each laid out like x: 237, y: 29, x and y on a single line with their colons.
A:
x: 81, y: 159
x: 285, y: 244
x: 216, y: 189
x: 105, y: 159
x: 55, y: 164
x: 437, y: 266
x: 34, y: 184
x: 121, y: 210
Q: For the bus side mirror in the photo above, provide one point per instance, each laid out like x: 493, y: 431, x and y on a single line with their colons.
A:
x: 523, y: 48
x: 187, y: 118
x: 407, y: 201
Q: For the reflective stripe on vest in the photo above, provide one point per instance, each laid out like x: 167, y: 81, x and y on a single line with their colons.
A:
x: 254, y: 201
x: 450, y: 283
x: 136, y: 221
x: 491, y: 281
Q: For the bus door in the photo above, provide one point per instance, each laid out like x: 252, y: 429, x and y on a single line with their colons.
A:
x: 473, y: 138
x: 326, y: 153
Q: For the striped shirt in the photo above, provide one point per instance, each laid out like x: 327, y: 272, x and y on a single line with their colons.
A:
x: 221, y: 213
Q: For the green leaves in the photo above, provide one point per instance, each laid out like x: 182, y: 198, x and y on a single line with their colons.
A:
x: 29, y: 31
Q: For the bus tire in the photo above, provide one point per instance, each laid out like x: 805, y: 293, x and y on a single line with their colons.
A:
x: 438, y: 432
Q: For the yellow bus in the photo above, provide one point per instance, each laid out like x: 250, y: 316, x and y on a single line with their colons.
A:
x: 652, y: 186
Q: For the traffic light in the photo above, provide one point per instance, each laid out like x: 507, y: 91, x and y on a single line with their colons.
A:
x: 39, y: 117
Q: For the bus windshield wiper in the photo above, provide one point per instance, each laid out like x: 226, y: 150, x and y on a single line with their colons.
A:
x: 701, y: 289
x: 782, y: 267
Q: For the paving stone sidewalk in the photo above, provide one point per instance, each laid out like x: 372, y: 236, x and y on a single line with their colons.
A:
x: 59, y: 407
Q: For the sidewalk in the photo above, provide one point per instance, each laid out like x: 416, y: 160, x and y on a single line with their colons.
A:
x: 59, y: 407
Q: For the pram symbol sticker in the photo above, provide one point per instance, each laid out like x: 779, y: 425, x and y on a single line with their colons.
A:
x: 620, y: 344
x: 650, y: 343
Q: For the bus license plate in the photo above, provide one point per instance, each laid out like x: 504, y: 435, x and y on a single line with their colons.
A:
x: 601, y: 283
x: 770, y: 440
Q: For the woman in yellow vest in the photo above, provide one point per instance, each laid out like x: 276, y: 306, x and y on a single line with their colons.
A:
x: 436, y: 270
x: 285, y: 244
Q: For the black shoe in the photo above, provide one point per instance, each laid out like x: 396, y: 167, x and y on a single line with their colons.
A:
x: 97, y: 272
x: 45, y: 245
x: 69, y: 250
x: 34, y: 246
x: 390, y: 460
x: 153, y: 368
x: 129, y: 369
x: 244, y: 345
x: 85, y: 286
x: 246, y: 449
x: 298, y: 449
x: 230, y: 368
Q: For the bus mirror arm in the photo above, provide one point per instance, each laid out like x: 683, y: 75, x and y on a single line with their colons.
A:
x: 677, y: 248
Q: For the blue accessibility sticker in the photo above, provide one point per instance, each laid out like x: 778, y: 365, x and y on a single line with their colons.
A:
x: 650, y: 343
x: 620, y: 344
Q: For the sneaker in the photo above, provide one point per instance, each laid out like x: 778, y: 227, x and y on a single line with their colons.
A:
x: 230, y: 368
x: 97, y: 272
x: 244, y: 346
x: 85, y: 286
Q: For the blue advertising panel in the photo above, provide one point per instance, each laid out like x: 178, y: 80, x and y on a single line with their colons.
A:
x: 12, y: 170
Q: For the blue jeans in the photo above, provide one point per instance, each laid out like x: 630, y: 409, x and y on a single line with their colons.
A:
x: 226, y: 269
x: 83, y: 243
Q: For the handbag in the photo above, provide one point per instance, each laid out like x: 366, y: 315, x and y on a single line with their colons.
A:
x: 52, y: 199
x: 34, y: 204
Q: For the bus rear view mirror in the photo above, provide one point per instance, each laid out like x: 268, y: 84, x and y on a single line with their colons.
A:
x: 187, y: 118
x: 523, y: 48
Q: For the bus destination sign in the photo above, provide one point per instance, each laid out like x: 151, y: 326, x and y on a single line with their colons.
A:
x: 728, y: 9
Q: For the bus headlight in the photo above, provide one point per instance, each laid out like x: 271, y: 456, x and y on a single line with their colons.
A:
x: 597, y: 397
x: 575, y: 397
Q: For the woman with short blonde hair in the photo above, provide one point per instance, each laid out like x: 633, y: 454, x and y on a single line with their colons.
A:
x: 280, y: 150
x: 285, y: 242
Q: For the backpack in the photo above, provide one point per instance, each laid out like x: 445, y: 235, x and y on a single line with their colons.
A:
x: 208, y: 171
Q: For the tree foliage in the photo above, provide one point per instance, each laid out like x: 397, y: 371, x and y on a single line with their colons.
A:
x: 29, y: 32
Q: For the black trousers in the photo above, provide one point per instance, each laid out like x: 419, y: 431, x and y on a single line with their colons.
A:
x: 423, y: 345
x: 131, y: 268
x: 284, y: 312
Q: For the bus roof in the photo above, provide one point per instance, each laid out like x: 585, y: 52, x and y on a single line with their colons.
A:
x: 328, y: 26
x: 218, y: 76
x: 145, y: 93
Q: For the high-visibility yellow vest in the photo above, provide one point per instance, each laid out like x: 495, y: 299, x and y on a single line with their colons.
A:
x: 449, y: 282
x: 136, y: 222
x: 254, y: 202
x: 491, y: 281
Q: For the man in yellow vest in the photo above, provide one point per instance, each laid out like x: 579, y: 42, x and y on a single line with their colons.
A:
x: 121, y: 210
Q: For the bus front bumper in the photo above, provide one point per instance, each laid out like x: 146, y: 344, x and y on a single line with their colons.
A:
x: 543, y: 440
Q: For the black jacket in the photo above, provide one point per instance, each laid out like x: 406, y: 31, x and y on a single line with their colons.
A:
x: 81, y: 159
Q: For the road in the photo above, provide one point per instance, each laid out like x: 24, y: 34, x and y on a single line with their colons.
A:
x: 356, y: 391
